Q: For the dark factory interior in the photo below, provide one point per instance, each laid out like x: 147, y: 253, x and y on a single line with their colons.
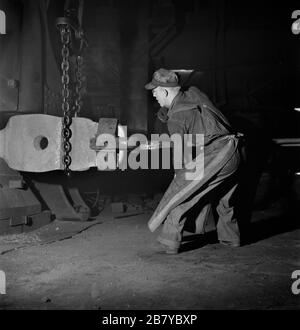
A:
x: 78, y: 230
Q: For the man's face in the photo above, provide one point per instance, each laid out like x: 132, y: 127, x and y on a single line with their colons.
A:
x: 161, y: 96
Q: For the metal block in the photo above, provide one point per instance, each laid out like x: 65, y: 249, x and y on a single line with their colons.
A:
x: 33, y: 143
x: 16, y: 184
x: 16, y: 202
x: 18, y: 219
x: 9, y: 177
x: 30, y: 223
x: 6, y: 229
x: 37, y: 220
x: 123, y: 210
x: 107, y: 126
x: 118, y: 207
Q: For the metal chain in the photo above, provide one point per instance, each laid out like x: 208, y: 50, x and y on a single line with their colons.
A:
x: 78, y: 85
x: 67, y: 116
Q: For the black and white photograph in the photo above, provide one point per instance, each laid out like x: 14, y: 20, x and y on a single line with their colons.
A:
x: 149, y: 158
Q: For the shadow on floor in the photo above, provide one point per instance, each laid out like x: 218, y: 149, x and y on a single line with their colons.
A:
x: 197, y: 241
x: 270, y: 227
x: 258, y: 230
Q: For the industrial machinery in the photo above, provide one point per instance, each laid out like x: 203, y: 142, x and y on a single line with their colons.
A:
x: 39, y: 143
x: 20, y: 210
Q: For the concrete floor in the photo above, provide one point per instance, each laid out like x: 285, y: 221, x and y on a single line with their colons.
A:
x: 117, y: 264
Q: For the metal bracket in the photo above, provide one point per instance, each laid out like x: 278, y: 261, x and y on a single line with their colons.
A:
x: 59, y: 204
x: 105, y: 126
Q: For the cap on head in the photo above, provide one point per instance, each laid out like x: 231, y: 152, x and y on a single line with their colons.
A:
x: 164, y: 78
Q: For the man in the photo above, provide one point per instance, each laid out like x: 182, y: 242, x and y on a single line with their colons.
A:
x: 191, y: 112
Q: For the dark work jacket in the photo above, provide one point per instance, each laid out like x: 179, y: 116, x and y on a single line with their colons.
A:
x: 191, y: 112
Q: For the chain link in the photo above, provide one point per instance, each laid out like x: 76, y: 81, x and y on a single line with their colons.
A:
x: 65, y: 79
x: 64, y: 25
x: 78, y: 85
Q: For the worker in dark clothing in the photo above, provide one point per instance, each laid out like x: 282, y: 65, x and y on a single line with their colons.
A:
x: 191, y: 112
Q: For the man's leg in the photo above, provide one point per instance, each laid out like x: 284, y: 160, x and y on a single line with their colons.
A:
x: 227, y: 226
x: 171, y: 233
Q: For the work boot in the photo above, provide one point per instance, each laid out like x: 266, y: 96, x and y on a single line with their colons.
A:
x: 229, y: 243
x: 169, y: 250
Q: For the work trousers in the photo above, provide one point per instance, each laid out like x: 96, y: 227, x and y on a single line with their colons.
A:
x: 222, y: 187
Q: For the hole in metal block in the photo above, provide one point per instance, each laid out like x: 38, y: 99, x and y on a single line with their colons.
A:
x: 40, y: 142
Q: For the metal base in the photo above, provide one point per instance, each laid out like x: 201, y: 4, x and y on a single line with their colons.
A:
x: 60, y: 205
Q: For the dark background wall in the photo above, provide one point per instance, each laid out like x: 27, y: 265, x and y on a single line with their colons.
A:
x: 245, y: 53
